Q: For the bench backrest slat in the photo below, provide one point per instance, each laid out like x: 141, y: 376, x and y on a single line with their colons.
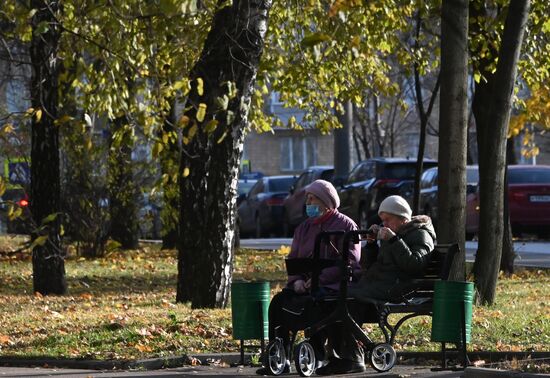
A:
x: 439, y: 268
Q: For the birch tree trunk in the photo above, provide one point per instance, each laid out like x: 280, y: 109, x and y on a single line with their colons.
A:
x: 212, y: 150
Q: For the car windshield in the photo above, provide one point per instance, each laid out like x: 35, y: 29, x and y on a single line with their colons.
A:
x: 245, y: 185
x: 403, y: 171
x: 280, y: 184
x: 529, y: 176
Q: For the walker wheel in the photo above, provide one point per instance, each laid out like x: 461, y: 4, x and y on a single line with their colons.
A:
x: 304, y: 359
x: 382, y: 357
x: 275, y: 357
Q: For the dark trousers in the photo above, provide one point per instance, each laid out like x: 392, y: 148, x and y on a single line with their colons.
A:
x: 342, y: 341
x: 289, y: 313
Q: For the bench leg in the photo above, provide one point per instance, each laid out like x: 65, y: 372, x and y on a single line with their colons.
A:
x: 241, y: 362
x: 466, y: 360
x: 443, y: 356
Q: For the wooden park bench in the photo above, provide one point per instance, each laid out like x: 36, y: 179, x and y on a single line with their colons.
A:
x: 416, y: 301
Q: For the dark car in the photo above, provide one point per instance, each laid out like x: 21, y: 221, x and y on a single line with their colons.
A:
x: 528, y: 200
x: 261, y: 212
x: 243, y: 187
x: 15, y: 201
x: 246, y: 182
x: 294, y: 203
x: 371, y: 181
x: 428, y: 189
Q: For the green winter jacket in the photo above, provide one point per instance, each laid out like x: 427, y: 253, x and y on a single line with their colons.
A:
x: 393, y: 264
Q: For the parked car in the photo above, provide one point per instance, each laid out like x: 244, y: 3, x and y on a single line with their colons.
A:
x: 16, y: 198
x: 528, y: 200
x: 371, y: 181
x: 428, y: 189
x: 243, y: 187
x: 246, y: 182
x: 261, y: 212
x: 294, y: 203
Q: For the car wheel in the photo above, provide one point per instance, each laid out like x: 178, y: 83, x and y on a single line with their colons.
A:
x: 363, y: 218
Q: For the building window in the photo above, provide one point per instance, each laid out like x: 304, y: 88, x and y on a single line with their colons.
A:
x: 298, y: 153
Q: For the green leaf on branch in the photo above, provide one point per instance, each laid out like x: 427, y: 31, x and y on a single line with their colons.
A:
x: 201, y: 112
x: 231, y: 89
x: 50, y: 218
x: 314, y: 39
x: 14, y: 213
x: 157, y: 149
x: 211, y: 125
x: 42, y: 27
x: 183, y: 85
x: 200, y: 86
x: 39, y: 241
x: 222, y: 102
x: 112, y: 245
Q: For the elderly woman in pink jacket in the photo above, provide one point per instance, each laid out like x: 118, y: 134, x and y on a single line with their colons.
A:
x: 322, y: 202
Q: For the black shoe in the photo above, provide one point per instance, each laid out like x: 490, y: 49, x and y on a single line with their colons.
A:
x: 266, y: 371
x: 337, y: 366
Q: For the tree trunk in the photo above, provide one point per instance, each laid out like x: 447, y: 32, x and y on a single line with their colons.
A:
x: 424, y: 116
x: 493, y: 161
x: 123, y: 198
x: 211, y: 152
x: 453, y: 119
x: 169, y: 160
x: 342, y: 143
x: 47, y: 258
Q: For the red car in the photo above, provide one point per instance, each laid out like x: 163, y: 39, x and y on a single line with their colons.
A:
x: 528, y: 198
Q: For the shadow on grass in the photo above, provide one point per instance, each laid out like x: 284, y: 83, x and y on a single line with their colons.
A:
x: 106, y: 284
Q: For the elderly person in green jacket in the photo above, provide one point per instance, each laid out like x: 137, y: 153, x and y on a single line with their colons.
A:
x: 397, y: 252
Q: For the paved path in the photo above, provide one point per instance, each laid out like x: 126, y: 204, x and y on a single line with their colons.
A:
x: 209, y: 371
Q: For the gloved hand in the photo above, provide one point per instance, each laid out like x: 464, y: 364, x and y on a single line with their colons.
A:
x: 299, y: 286
x: 385, y: 233
x: 372, y: 234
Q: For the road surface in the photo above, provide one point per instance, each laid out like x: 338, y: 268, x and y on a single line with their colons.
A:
x: 530, y: 254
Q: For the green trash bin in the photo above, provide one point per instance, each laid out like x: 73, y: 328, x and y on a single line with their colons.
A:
x: 452, y: 310
x: 249, y: 306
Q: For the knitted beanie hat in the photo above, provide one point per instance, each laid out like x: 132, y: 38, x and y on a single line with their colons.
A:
x: 326, y: 192
x: 396, y: 205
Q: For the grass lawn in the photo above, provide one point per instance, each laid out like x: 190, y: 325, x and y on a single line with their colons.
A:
x: 122, y: 307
